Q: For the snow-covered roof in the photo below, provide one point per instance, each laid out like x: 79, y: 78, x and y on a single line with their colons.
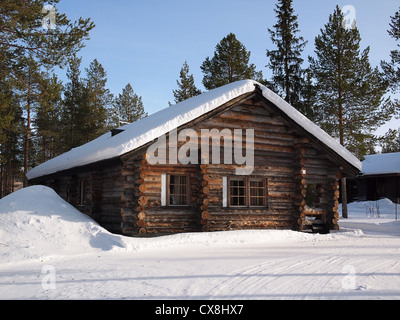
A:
x: 146, y: 130
x: 387, y: 163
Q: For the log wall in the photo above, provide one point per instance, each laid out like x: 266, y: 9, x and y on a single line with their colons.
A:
x: 281, y: 156
x: 125, y: 196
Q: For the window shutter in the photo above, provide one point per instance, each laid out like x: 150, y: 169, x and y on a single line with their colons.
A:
x: 225, y: 192
x: 163, y: 189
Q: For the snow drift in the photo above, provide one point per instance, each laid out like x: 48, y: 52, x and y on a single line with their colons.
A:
x: 36, y: 222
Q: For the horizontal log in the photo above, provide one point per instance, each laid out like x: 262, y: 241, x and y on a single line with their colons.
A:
x: 170, y: 225
x: 127, y: 172
x: 249, y: 226
x: 315, y: 212
x: 162, y: 231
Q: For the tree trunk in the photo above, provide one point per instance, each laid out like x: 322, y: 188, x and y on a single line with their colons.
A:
x: 28, y: 131
x: 345, y: 214
x: 341, y: 136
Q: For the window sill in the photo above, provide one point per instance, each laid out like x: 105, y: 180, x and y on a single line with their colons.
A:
x: 176, y: 206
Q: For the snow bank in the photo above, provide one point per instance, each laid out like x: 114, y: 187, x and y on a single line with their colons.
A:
x: 240, y: 238
x: 383, y: 208
x: 373, y: 217
x: 35, y: 223
x: 146, y: 130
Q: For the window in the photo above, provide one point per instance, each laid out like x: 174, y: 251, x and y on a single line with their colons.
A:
x: 178, y: 190
x: 257, y: 194
x: 247, y: 192
x: 237, y: 192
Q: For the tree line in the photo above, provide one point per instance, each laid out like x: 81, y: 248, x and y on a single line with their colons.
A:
x: 339, y: 89
x: 41, y: 117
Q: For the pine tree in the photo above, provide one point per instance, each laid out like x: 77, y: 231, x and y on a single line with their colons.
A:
x: 186, y: 87
x: 22, y: 35
x: 25, y: 45
x: 27, y: 80
x: 6, y: 113
x: 349, y: 91
x: 47, y: 119
x: 286, y: 62
x: 392, y: 68
x: 11, y: 130
x: 390, y: 142
x: 128, y: 107
x: 229, y: 64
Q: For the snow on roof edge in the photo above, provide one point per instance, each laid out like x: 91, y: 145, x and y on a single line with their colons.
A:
x: 145, y: 130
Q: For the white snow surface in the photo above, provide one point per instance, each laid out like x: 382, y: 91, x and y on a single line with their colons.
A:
x: 44, y: 240
x: 143, y: 131
x: 386, y: 163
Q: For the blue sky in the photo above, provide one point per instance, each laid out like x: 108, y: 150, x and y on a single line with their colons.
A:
x: 145, y: 43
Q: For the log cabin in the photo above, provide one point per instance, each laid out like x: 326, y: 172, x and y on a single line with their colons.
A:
x: 177, y: 170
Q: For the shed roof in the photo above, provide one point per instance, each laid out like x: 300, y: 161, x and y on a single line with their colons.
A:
x: 139, y: 133
x: 380, y: 164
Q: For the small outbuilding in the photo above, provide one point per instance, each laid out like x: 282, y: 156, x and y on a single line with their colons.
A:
x: 237, y: 157
x: 380, y: 178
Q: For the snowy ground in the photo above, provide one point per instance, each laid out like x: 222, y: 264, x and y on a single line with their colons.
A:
x: 48, y: 250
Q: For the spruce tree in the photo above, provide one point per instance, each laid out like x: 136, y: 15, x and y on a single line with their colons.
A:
x: 307, y: 105
x: 286, y: 62
x: 186, y: 87
x: 128, y: 107
x: 230, y: 63
x: 72, y: 118
x: 97, y: 103
x: 349, y: 91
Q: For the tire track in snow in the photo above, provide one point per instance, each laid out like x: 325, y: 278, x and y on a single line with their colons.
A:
x: 296, y: 278
x: 304, y: 278
x: 377, y: 277
x: 272, y: 279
